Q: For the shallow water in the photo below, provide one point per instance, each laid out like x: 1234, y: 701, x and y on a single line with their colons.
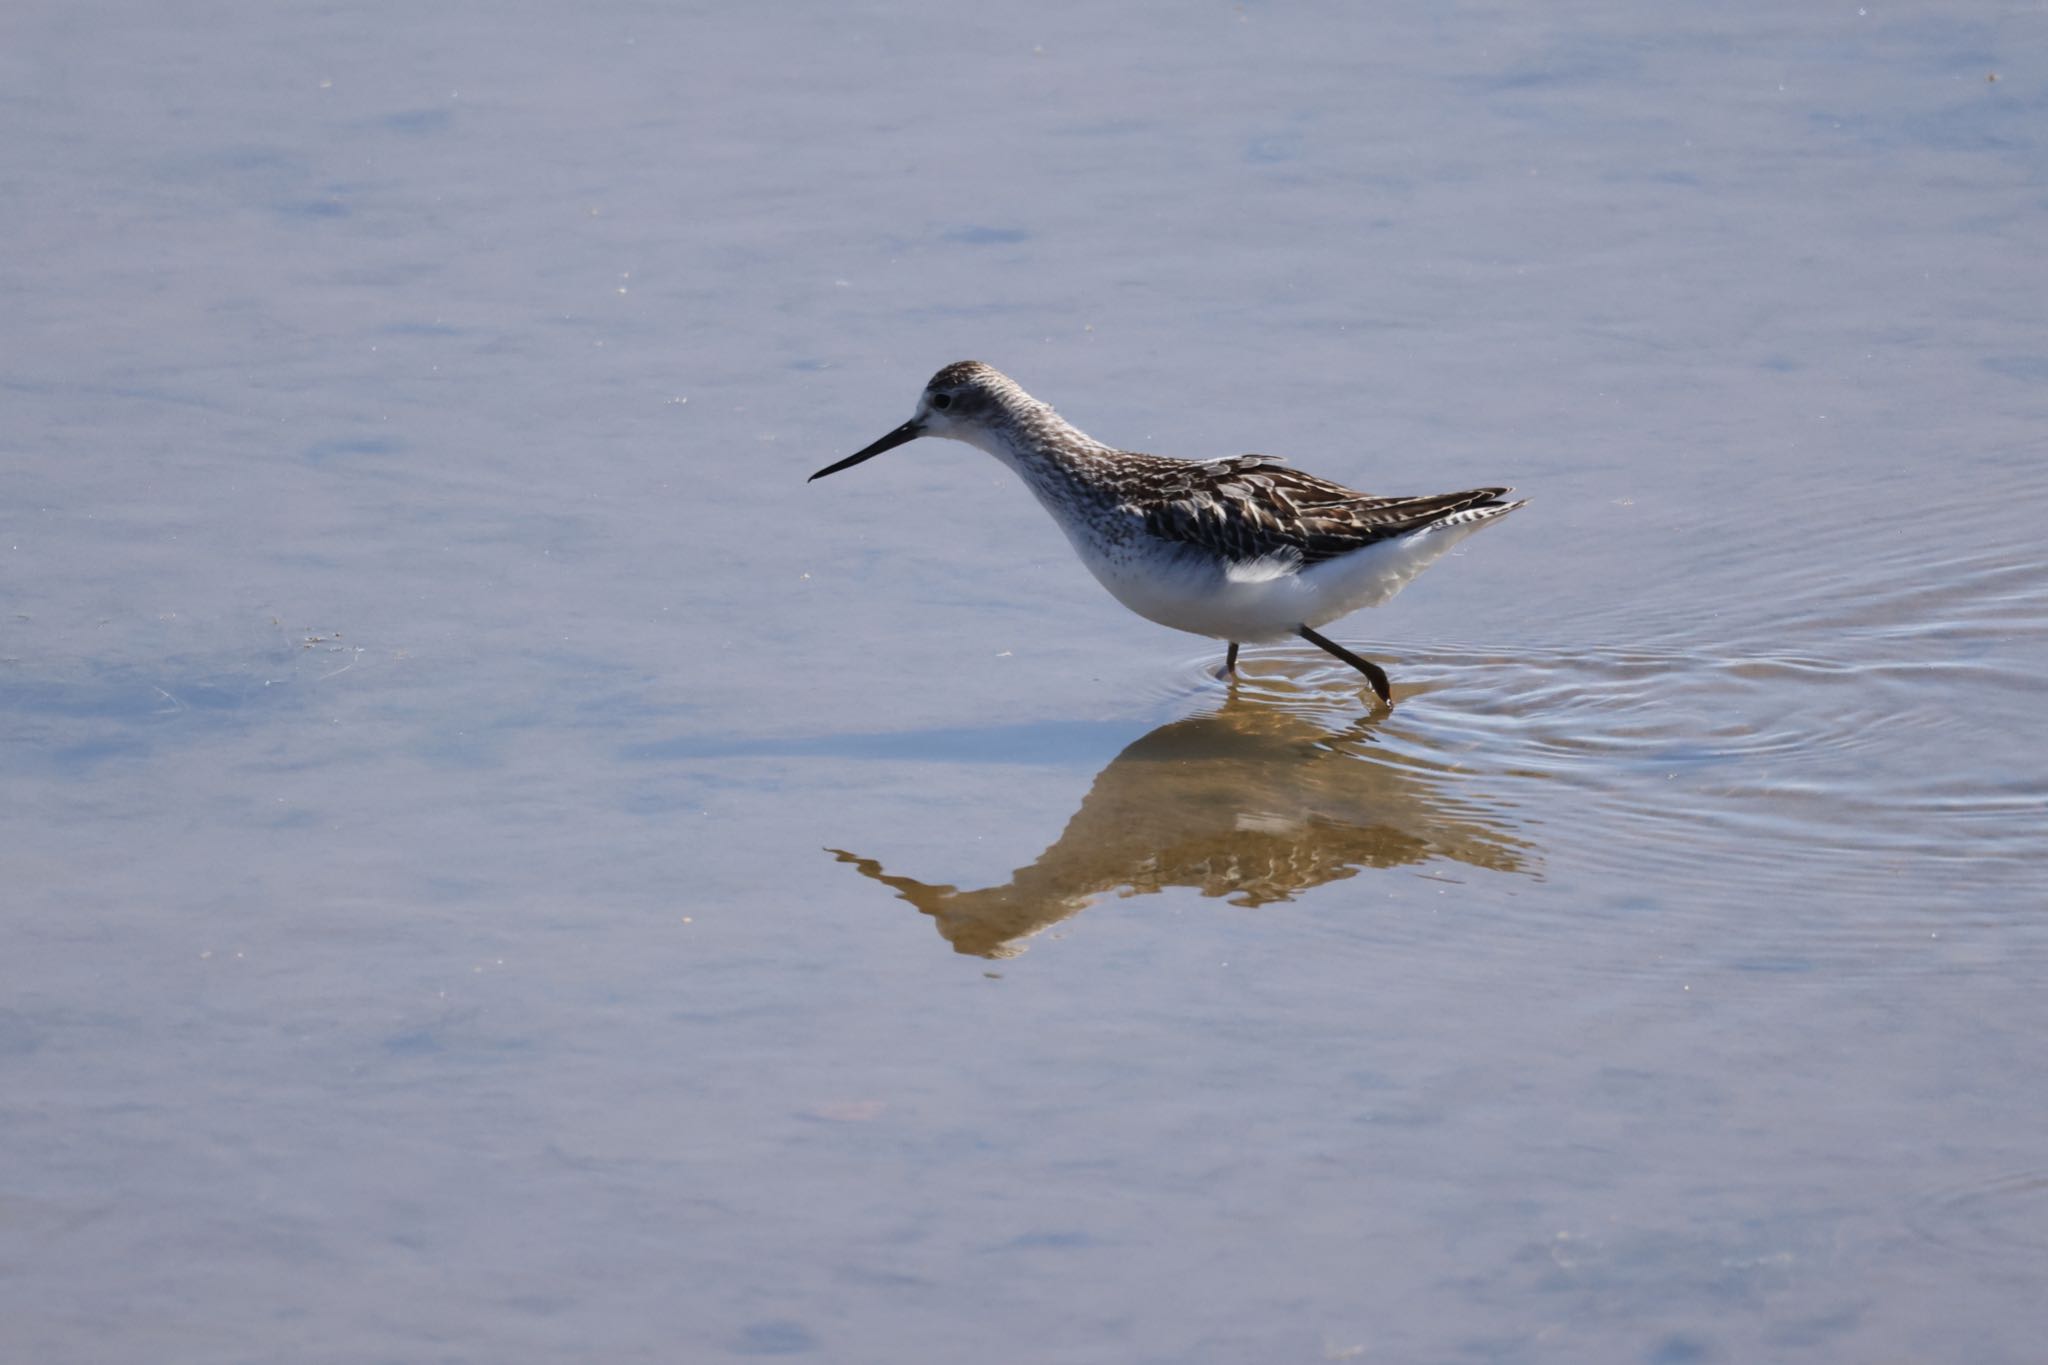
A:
x: 502, y: 870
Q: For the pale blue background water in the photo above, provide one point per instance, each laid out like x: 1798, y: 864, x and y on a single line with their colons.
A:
x: 428, y: 690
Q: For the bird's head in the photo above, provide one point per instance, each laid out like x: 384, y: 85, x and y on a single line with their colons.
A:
x: 962, y: 402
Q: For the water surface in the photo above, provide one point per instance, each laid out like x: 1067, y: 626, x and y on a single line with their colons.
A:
x: 502, y: 870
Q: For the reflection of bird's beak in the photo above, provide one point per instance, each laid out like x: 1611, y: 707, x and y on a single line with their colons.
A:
x: 909, y: 431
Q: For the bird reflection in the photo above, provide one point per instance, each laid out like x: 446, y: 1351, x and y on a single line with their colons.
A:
x: 1256, y: 802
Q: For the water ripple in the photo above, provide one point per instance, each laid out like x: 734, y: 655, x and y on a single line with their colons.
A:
x: 1842, y: 804
x: 2003, y: 1219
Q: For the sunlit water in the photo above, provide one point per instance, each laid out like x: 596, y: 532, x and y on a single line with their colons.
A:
x: 499, y: 869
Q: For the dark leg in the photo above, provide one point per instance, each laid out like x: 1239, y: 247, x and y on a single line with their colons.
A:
x: 1230, y: 661
x: 1374, y: 674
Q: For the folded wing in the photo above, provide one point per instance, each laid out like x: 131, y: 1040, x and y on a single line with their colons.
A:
x: 1253, y: 507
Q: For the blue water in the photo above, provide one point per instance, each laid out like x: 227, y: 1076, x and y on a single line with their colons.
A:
x: 501, y: 870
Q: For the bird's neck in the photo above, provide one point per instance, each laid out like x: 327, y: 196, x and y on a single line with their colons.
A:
x: 1057, y: 459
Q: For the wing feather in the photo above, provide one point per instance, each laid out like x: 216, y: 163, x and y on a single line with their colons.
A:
x: 1254, y: 507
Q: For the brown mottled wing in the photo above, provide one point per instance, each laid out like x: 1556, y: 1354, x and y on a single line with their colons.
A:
x: 1252, y: 506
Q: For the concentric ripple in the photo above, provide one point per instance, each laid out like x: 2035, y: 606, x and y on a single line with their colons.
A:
x: 1848, y: 782
x: 2003, y: 1219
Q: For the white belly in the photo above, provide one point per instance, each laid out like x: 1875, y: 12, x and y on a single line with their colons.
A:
x: 1264, y: 600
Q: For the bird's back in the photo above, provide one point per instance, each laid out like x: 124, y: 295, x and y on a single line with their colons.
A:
x: 1253, y: 507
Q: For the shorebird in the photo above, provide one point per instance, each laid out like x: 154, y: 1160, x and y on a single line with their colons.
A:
x: 1243, y: 550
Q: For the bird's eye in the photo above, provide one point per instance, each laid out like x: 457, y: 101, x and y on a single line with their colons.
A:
x: 942, y: 401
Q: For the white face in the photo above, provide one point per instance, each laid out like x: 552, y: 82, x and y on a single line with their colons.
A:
x: 939, y: 413
x: 957, y: 411
x: 956, y: 405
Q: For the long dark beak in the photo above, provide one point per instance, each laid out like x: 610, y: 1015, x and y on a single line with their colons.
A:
x: 909, y: 431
